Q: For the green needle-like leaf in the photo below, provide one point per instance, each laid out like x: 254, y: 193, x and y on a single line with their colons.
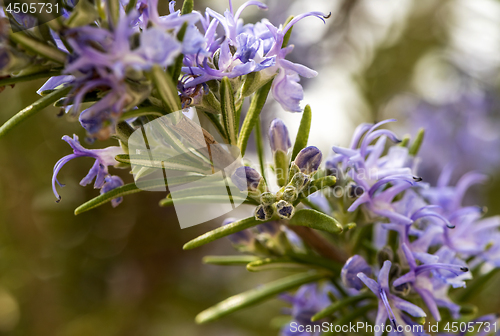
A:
x: 316, y: 220
x: 415, y: 146
x: 113, y: 10
x: 340, y: 304
x: 187, y: 7
x: 131, y: 188
x: 39, y: 47
x: 275, y: 264
x: 256, y: 105
x: 260, y: 149
x: 222, y: 231
x: 228, y: 109
x: 167, y: 90
x: 229, y: 260
x: 257, y: 295
x: 32, y: 109
x: 303, y: 133
x: 131, y: 5
x: 286, y: 38
x: 25, y: 78
x: 176, y: 69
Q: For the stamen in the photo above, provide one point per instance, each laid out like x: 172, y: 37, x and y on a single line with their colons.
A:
x: 392, y: 317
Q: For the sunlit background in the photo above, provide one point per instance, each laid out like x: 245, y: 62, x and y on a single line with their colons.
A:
x: 427, y: 63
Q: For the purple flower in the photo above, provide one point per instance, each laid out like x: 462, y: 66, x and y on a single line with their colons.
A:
x: 307, y: 301
x: 365, y: 165
x: 278, y: 136
x: 418, y: 277
x: 246, y: 49
x: 286, y: 88
x: 381, y: 289
x: 352, y: 267
x: 110, y: 63
x: 217, y: 60
x: 103, y: 158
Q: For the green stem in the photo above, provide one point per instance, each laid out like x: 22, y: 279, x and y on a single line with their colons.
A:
x: 33, y: 109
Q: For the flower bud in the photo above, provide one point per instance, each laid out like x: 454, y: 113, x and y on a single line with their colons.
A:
x: 280, y: 144
x: 284, y: 209
x: 278, y: 136
x: 354, y: 265
x: 308, y: 159
x: 246, y: 178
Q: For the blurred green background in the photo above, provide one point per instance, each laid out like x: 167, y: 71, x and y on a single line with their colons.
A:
x: 123, y: 271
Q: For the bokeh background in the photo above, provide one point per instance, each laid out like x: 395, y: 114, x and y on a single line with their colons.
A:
x: 428, y: 63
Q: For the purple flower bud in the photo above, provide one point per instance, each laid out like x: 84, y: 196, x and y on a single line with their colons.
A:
x: 278, y: 136
x: 308, y: 159
x: 246, y: 178
x: 244, y: 237
x: 356, y: 264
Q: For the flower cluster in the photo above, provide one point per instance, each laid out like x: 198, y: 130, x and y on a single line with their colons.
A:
x: 437, y: 240
x: 108, y: 61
